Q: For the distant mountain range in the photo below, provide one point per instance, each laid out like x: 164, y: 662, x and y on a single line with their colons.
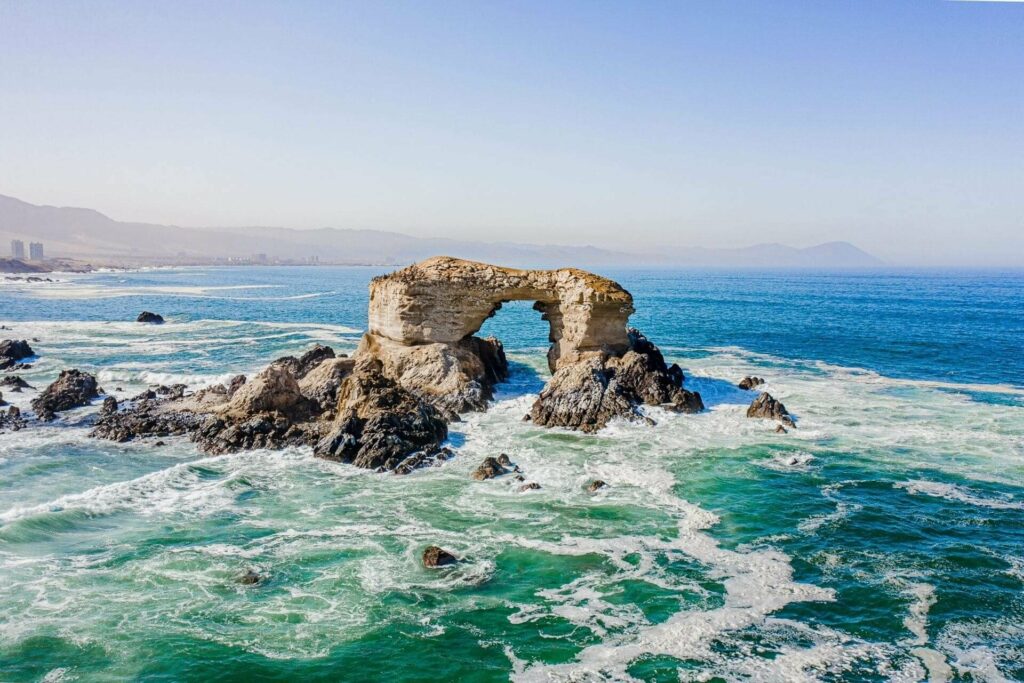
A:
x: 90, y: 235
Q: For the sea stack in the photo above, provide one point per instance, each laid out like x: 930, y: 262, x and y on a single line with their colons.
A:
x: 420, y: 364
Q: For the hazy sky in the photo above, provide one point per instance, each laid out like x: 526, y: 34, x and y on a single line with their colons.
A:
x: 895, y: 124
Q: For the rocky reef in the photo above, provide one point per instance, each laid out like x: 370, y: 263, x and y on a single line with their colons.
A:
x: 418, y: 366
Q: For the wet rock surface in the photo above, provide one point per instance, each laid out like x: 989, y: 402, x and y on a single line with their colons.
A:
x: 14, y: 383
x: 11, y: 419
x: 748, y: 383
x: 12, y: 351
x: 587, y: 395
x: 379, y: 424
x: 488, y: 469
x: 151, y: 318
x: 596, y: 485
x: 767, y: 407
x: 434, y: 556
x: 72, y: 389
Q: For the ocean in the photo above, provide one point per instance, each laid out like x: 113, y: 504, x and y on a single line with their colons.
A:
x: 883, y: 539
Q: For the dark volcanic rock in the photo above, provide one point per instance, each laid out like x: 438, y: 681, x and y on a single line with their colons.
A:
x: 765, y: 406
x: 2, y: 401
x: 588, y: 394
x: 596, y: 485
x: 151, y: 318
x: 504, y: 460
x: 142, y: 420
x: 12, y: 351
x: 437, y: 557
x: 532, y: 486
x: 488, y: 469
x: 71, y: 390
x: 748, y: 383
x: 109, y: 406
x: 236, y: 382
x: 301, y: 366
x: 779, y: 429
x: 379, y: 424
x: 14, y: 383
x: 11, y: 419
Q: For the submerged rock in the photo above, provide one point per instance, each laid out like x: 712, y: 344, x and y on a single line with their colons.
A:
x: 767, y: 407
x: 504, y: 460
x: 250, y: 578
x: 71, y: 389
x: 532, y: 486
x: 151, y: 318
x: 596, y: 485
x: 434, y: 556
x: 779, y: 429
x: 12, y: 351
x: 748, y: 383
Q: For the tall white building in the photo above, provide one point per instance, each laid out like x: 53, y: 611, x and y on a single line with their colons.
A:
x: 35, y: 251
x: 17, y: 249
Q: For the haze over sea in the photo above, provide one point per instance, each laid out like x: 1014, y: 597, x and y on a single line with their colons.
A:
x: 883, y: 539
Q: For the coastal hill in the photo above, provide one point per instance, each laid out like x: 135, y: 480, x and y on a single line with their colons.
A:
x: 88, y: 234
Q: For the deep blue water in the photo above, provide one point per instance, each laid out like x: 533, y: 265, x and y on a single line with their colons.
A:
x: 962, y: 327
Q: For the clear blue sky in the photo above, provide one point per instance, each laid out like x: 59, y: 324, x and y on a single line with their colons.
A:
x: 896, y: 125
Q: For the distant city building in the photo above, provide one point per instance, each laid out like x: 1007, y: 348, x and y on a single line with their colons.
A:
x: 35, y: 251
x: 17, y: 249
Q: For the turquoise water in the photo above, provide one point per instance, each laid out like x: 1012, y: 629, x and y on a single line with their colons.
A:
x: 882, y: 540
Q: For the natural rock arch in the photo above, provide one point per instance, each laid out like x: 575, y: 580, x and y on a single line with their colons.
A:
x: 419, y: 365
x: 422, y: 324
x: 446, y: 300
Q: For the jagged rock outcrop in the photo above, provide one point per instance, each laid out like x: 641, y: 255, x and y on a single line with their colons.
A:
x: 72, y: 389
x: 588, y: 394
x: 748, y: 383
x: 379, y: 424
x: 14, y: 383
x: 151, y: 318
x: 489, y: 469
x: 12, y: 351
x: 11, y: 419
x: 304, y: 364
x: 767, y: 407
